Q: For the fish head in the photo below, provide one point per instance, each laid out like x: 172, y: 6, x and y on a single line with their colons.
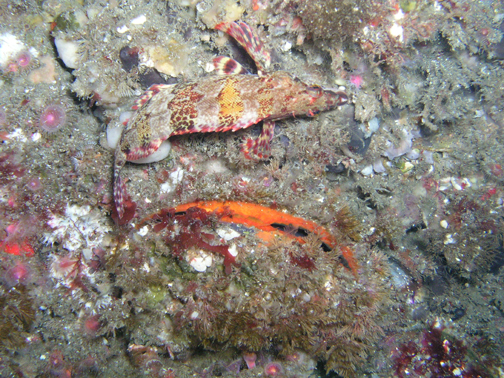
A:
x: 300, y: 99
x: 324, y: 99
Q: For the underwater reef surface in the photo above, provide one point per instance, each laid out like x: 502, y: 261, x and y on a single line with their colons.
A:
x: 366, y: 242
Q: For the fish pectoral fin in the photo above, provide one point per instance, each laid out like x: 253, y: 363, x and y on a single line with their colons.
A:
x: 141, y: 152
x: 260, y: 148
x: 227, y: 66
x: 161, y: 153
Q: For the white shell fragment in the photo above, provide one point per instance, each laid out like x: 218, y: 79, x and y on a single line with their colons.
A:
x: 396, y: 31
x: 227, y: 233
x: 367, y: 170
x: 68, y: 52
x: 286, y: 46
x: 233, y: 251
x: 449, y: 239
x: 175, y: 179
x: 122, y: 29
x: 199, y: 260
x: 10, y: 46
x: 139, y: 20
x: 143, y: 231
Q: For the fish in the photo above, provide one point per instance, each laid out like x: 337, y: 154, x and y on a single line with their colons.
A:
x: 231, y: 100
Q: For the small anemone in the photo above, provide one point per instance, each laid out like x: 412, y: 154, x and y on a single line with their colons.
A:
x: 24, y: 59
x: 273, y: 369
x: 53, y: 118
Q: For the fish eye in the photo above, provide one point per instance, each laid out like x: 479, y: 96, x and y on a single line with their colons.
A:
x: 314, y: 91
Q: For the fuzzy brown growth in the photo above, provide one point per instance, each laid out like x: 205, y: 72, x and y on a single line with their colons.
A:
x: 337, y: 19
x: 16, y: 318
x: 288, y: 294
x: 347, y: 225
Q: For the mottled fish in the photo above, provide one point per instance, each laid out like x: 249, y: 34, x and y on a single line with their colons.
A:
x: 230, y: 101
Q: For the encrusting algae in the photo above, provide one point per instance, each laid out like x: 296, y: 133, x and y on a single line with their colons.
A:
x: 285, y: 283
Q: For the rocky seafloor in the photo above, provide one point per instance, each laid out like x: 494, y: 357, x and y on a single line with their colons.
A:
x: 382, y: 249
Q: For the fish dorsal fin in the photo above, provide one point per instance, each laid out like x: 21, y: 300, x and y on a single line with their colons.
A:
x: 227, y: 66
x: 248, y: 39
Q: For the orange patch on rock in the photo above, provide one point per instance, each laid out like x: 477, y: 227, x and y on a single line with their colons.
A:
x: 267, y: 236
x: 267, y: 220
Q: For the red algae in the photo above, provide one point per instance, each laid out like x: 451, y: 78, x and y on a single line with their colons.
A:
x: 436, y: 354
x: 303, y: 261
x: 10, y: 167
x: 192, y: 221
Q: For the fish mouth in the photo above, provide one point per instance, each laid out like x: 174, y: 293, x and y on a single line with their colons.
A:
x: 336, y: 98
x: 343, y: 98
